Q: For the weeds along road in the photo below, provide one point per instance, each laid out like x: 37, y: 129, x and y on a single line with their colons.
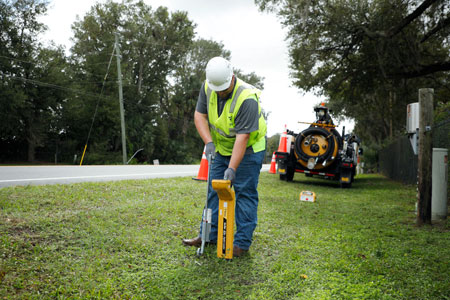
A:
x: 40, y: 175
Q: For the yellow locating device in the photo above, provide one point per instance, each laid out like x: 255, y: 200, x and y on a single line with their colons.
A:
x: 227, y: 202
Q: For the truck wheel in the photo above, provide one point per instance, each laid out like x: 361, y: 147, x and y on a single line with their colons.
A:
x: 290, y: 174
x: 346, y: 185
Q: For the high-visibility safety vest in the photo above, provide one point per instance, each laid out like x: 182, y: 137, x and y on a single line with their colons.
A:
x: 222, y: 127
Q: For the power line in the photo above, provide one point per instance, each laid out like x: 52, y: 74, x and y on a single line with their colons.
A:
x: 53, y: 67
x: 36, y: 63
x: 96, y: 106
x: 77, y: 91
x: 54, y: 86
x: 164, y: 45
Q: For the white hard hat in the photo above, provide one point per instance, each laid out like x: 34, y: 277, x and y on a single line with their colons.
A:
x: 219, y: 73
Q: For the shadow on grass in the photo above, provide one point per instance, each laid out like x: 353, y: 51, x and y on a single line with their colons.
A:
x: 378, y: 182
x: 241, y: 275
x: 361, y: 182
x: 315, y: 182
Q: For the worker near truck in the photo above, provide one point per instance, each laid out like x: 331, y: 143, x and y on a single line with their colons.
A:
x: 228, y: 118
x: 323, y: 114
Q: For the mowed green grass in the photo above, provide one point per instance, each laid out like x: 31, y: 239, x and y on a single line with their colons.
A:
x: 123, y: 240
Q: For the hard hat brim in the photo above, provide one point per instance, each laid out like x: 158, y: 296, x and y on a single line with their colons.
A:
x: 219, y: 88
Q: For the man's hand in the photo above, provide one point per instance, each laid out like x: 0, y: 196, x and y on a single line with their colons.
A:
x: 210, y: 149
x: 230, y: 174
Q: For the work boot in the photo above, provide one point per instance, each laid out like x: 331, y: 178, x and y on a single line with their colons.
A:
x: 196, y: 242
x: 238, y: 252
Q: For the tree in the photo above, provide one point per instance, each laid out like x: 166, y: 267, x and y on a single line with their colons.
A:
x: 28, y: 106
x: 367, y: 57
x: 43, y: 121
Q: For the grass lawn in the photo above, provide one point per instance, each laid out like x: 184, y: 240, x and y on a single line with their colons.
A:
x: 123, y: 240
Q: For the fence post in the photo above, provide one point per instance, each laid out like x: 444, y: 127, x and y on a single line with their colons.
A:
x: 425, y: 156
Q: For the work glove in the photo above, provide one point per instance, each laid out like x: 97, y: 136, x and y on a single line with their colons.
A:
x: 230, y: 174
x: 210, y: 149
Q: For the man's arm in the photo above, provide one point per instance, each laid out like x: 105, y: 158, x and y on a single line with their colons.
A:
x: 240, y: 145
x: 201, y: 123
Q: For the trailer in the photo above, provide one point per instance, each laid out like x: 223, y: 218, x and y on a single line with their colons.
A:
x: 320, y: 151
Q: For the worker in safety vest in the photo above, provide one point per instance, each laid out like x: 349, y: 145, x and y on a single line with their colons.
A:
x: 229, y: 120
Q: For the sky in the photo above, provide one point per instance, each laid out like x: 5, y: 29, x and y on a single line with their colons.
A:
x: 256, y: 41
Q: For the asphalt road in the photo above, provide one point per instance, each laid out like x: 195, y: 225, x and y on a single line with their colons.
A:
x: 40, y: 175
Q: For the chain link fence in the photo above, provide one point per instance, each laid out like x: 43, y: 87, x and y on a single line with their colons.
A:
x: 441, y: 134
x: 397, y: 160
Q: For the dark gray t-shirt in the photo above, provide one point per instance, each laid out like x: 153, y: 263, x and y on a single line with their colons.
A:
x: 247, y: 118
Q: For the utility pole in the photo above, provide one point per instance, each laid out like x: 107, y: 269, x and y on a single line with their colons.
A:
x: 122, y: 114
x: 425, y: 156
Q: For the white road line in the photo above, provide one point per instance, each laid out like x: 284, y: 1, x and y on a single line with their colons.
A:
x: 93, y: 176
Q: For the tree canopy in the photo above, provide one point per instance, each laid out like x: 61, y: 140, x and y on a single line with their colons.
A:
x: 368, y: 58
x: 28, y: 111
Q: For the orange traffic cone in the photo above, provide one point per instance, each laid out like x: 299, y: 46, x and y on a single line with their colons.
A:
x: 203, y: 171
x: 273, y: 169
x: 283, y: 141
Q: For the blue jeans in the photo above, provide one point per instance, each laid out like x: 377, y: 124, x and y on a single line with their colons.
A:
x: 245, y: 186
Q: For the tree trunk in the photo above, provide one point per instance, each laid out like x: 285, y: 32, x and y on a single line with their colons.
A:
x: 390, y: 115
x: 31, y: 149
x: 31, y: 140
x: 140, y: 76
